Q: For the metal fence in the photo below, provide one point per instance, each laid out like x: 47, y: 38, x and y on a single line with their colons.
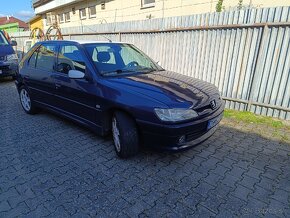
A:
x: 246, y: 54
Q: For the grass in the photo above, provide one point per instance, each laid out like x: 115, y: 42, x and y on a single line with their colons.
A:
x: 250, y: 117
x: 265, y: 126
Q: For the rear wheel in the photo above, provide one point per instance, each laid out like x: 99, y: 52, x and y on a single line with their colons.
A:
x: 26, y: 101
x: 125, y: 135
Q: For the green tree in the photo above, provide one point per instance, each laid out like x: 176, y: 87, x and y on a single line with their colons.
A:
x: 240, y: 5
x: 219, y: 6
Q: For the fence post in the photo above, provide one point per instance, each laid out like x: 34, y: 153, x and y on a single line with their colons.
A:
x: 120, y: 37
x: 258, y: 64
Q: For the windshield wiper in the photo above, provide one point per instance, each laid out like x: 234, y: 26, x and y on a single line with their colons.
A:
x: 119, y: 71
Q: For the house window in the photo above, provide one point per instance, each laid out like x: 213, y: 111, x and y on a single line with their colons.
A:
x: 67, y: 17
x: 61, y: 18
x: 50, y: 19
x: 83, y: 14
x: 92, y: 11
x: 103, y: 6
x: 147, y: 3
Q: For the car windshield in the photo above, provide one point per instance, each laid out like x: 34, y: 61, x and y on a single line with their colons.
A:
x: 116, y: 58
x: 3, y: 40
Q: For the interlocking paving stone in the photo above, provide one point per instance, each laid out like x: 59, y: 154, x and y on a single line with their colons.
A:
x: 52, y: 167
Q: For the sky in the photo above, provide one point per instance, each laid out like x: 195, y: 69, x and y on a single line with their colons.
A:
x: 21, y: 9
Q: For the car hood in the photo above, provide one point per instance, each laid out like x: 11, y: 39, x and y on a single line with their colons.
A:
x: 5, y: 50
x: 171, y: 89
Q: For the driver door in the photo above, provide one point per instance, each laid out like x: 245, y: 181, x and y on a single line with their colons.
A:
x: 75, y: 97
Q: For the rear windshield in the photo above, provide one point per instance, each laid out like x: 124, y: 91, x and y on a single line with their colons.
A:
x: 3, y: 40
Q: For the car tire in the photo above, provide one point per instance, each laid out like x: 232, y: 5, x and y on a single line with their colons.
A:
x: 125, y: 135
x: 26, y: 101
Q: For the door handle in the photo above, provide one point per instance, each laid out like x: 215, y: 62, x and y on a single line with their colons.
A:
x: 57, y: 85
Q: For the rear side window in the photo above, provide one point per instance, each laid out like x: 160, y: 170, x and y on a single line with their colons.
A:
x: 70, y: 58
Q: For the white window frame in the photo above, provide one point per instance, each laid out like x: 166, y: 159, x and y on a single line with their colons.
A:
x: 92, y: 15
x: 147, y: 5
x: 49, y: 19
x: 81, y: 15
x: 65, y: 18
x: 61, y: 18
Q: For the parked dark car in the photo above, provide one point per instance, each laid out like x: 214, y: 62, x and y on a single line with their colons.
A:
x: 8, y: 58
x: 115, y: 87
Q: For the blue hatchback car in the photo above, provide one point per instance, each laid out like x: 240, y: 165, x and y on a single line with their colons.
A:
x: 8, y: 58
x: 114, y: 87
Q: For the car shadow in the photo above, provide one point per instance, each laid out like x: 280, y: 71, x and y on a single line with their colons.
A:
x: 225, y: 136
x: 6, y: 79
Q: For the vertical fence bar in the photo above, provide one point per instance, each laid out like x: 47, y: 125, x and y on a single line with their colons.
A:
x: 258, y: 63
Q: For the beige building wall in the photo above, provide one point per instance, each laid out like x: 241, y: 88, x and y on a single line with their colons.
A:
x: 126, y: 10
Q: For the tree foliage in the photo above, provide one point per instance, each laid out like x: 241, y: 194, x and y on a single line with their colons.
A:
x: 240, y: 5
x: 219, y: 6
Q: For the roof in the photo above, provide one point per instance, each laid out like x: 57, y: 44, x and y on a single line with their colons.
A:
x: 82, y: 42
x: 8, y: 20
x: 92, y: 41
x: 33, y: 19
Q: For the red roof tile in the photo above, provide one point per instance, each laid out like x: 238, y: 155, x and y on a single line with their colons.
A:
x: 4, y: 20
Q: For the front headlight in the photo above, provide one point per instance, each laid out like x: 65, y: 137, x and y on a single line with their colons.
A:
x: 173, y: 115
x: 11, y: 58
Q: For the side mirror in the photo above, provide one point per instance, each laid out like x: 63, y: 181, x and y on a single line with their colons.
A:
x: 76, y: 74
x: 159, y: 63
x: 13, y: 43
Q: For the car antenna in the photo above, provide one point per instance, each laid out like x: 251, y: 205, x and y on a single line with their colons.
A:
x: 98, y: 34
x: 106, y: 38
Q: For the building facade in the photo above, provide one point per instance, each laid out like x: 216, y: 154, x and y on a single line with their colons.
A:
x: 35, y: 22
x: 68, y: 13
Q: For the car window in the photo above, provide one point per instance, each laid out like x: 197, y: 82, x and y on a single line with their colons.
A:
x: 32, y: 59
x: 70, y: 58
x: 46, y: 57
x: 132, y: 55
x: 102, y: 49
x: 116, y: 58
x: 3, y: 40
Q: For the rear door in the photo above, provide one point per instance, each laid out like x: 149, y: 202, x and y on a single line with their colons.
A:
x: 40, y: 68
x: 75, y: 96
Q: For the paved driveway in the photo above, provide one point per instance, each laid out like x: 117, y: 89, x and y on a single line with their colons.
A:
x: 51, y: 167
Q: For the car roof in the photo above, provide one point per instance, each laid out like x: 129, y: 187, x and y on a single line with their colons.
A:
x: 83, y: 42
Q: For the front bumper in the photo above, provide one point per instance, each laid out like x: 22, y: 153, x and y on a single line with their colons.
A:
x: 168, y: 136
x: 8, y: 70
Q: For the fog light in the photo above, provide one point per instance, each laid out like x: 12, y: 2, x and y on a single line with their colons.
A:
x: 181, y: 139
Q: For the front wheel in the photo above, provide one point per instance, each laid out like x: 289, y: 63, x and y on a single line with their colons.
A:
x: 125, y: 135
x: 26, y: 101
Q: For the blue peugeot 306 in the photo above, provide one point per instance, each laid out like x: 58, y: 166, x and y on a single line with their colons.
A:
x: 114, y: 87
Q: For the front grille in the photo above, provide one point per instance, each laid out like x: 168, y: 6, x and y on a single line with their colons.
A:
x: 201, y: 129
x: 208, y: 109
x: 192, y: 136
x: 201, y: 109
x: 4, y: 68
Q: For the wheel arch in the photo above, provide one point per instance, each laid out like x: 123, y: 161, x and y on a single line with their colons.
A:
x: 107, y: 118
